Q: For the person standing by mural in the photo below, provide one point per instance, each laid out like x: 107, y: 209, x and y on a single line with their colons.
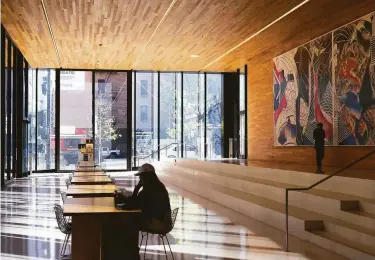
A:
x: 319, y: 136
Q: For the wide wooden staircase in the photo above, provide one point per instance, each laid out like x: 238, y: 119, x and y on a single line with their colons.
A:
x: 338, y: 214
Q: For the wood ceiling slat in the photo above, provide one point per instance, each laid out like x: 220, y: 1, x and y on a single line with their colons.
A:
x: 310, y: 21
x: 25, y: 23
x: 121, y: 26
x: 207, y: 28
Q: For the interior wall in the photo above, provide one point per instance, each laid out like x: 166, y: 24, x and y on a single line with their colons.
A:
x: 312, y: 20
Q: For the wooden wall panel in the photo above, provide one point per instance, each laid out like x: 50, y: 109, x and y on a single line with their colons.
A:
x: 313, y: 20
x: 26, y: 25
x: 260, y: 129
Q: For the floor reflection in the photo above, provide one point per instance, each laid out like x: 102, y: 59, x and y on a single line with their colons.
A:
x: 29, y: 229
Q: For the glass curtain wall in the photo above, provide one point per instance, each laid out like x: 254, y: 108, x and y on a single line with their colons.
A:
x: 111, y: 90
x: 145, y: 137
x: 4, y: 116
x: 11, y: 142
x: 202, y: 118
x: 188, y: 100
x: 15, y: 110
x: 192, y: 114
x: 45, y: 124
x: 75, y: 114
x: 214, y: 115
x: 168, y: 116
x: 243, y: 109
x: 25, y: 121
x: 178, y: 112
x: 32, y: 118
x: 155, y: 115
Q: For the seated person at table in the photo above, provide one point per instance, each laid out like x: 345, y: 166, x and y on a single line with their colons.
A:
x: 153, y: 200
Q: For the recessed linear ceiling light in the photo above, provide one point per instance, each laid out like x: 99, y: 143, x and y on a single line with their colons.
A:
x: 152, y: 35
x: 194, y: 56
x: 51, y: 32
x: 255, y: 34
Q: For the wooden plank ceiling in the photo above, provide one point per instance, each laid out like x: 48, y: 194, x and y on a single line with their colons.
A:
x: 310, y: 21
x: 151, y: 34
x: 25, y: 22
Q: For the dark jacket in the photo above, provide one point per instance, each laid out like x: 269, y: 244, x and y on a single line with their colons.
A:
x: 319, y: 136
x: 153, y: 200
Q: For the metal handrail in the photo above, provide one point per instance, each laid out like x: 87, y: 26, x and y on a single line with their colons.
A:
x: 156, y: 151
x: 309, y: 188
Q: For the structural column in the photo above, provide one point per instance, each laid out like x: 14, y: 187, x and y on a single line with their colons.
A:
x: 231, y: 115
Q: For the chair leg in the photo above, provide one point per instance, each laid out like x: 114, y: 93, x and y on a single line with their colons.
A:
x: 144, y: 253
x: 170, y: 247
x: 64, y: 246
x: 143, y: 234
x: 165, y: 251
x: 140, y: 244
x: 67, y: 241
x: 70, y: 244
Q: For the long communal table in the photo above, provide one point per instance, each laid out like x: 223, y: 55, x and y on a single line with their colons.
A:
x: 97, y: 190
x: 100, y: 231
x: 88, y: 168
x: 89, y: 173
x: 91, y: 180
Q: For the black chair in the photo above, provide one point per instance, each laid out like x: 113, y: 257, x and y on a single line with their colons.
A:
x: 64, y: 226
x: 63, y: 196
x: 170, y: 220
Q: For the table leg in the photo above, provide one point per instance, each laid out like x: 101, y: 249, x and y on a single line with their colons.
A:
x: 86, y: 237
x: 120, y: 237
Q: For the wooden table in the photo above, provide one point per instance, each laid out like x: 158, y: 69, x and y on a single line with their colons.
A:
x: 88, y: 169
x: 78, y: 174
x: 91, y: 180
x: 100, y: 231
x: 91, y: 191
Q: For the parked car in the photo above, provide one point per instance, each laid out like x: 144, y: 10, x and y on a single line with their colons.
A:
x: 112, y: 154
x: 71, y: 157
x: 171, y: 152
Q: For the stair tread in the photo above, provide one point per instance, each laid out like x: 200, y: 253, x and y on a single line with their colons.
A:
x: 296, y: 212
x: 273, y: 205
x: 314, y: 191
x: 303, y: 213
x: 337, y: 195
x: 348, y: 243
x: 363, y: 214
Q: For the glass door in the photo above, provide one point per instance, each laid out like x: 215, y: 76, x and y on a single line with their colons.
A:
x: 111, y: 120
x: 75, y: 114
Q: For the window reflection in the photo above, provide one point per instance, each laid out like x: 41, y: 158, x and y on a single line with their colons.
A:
x: 192, y: 112
x: 146, y: 138
x: 75, y: 114
x: 111, y: 92
x: 214, y: 116
x: 46, y: 120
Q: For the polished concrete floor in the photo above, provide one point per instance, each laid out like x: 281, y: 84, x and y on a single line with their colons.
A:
x: 29, y: 229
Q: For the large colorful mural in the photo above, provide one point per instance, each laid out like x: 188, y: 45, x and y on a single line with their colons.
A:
x: 329, y: 80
